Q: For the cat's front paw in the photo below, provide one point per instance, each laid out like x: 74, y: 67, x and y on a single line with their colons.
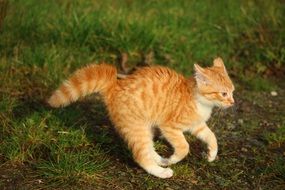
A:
x: 212, y: 154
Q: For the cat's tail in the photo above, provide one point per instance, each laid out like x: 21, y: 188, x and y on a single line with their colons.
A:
x: 100, y: 78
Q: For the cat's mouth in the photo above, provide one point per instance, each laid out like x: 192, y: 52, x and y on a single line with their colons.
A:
x: 227, y: 105
x: 224, y: 105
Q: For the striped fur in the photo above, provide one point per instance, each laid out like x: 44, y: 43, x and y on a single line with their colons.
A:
x: 155, y: 96
x: 88, y: 80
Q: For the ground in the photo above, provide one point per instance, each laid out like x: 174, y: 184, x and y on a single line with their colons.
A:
x: 77, y: 148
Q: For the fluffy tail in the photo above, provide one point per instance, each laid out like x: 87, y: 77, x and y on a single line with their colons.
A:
x: 93, y: 78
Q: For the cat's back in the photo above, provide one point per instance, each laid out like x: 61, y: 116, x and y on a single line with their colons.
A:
x: 151, y: 87
x: 153, y: 74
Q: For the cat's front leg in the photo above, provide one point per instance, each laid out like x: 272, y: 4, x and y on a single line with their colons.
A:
x: 176, y: 138
x: 205, y: 134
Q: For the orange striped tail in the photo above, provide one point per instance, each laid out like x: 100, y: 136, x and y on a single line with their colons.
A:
x: 90, y: 79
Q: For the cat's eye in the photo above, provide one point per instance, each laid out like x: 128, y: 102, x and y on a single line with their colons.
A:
x: 224, y: 94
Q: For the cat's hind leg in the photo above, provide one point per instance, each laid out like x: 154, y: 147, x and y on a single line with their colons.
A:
x: 139, y: 139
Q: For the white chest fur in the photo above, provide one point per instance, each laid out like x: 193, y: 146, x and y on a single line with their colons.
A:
x: 204, y: 111
x: 204, y: 108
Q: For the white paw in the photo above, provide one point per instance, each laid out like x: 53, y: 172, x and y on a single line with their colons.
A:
x: 161, y: 172
x: 166, y: 173
x: 212, y: 155
x: 173, y: 159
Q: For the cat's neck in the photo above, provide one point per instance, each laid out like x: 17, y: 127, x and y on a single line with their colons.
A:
x: 204, y: 107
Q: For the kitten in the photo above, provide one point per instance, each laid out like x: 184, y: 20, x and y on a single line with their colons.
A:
x: 155, y: 96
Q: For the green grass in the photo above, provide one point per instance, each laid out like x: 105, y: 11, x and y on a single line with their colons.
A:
x: 76, y: 147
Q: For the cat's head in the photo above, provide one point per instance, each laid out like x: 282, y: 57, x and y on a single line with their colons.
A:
x: 214, y: 85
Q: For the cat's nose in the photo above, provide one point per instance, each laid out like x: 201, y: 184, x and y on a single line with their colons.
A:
x: 232, y: 101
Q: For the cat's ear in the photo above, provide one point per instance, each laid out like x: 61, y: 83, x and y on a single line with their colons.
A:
x: 200, y: 75
x: 218, y: 62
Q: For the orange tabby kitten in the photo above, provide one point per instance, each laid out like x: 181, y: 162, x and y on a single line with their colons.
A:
x: 155, y: 96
